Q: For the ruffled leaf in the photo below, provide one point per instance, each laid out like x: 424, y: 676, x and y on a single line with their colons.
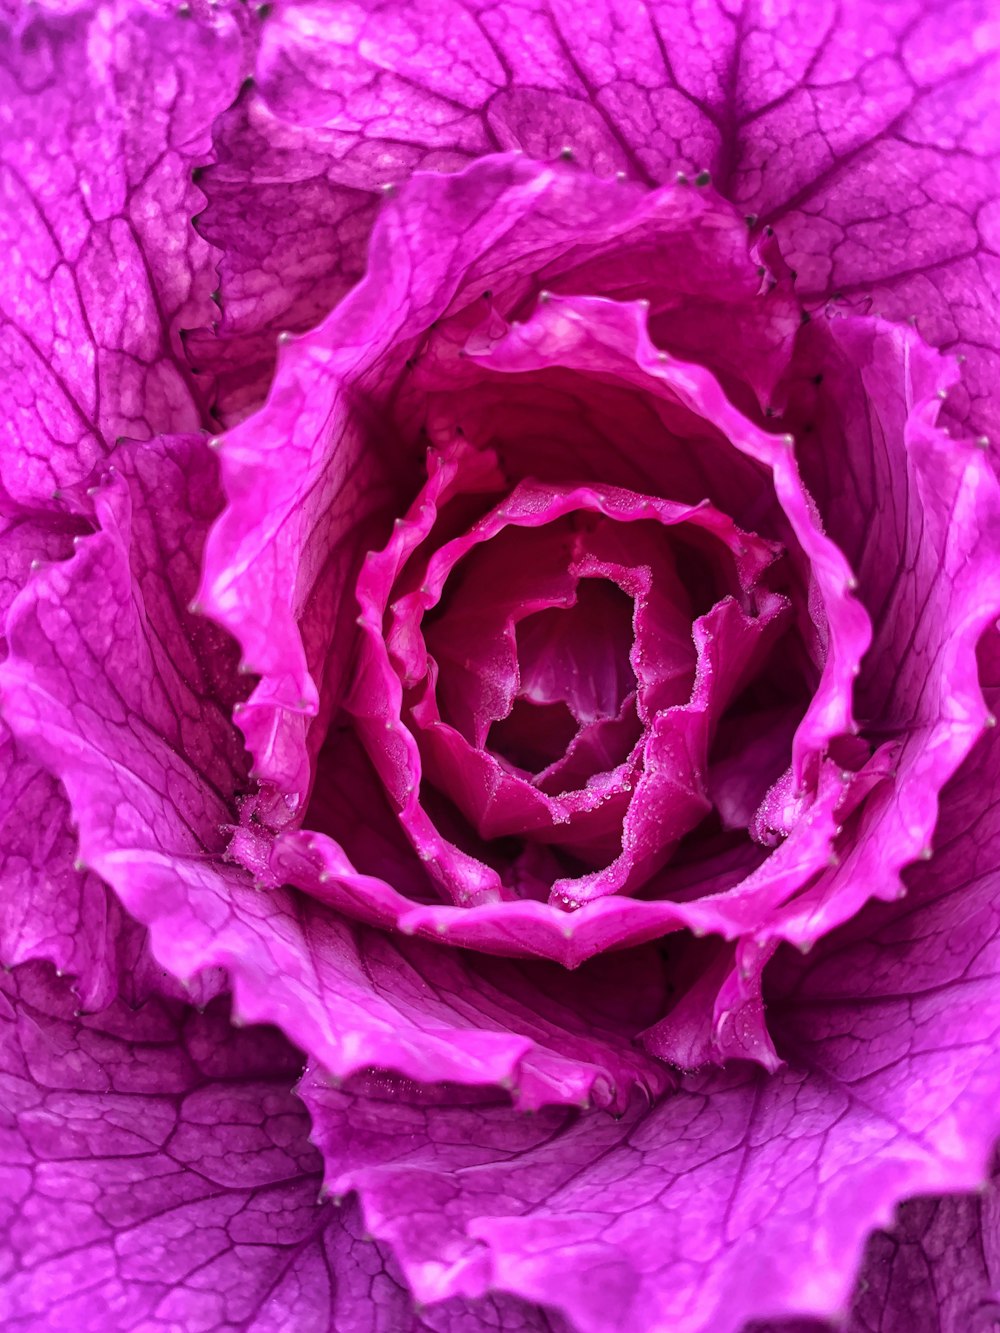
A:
x: 740, y: 1197
x: 918, y: 515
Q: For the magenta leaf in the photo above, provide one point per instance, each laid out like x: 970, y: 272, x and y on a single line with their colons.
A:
x: 291, y: 238
x: 49, y: 908
x: 938, y: 1262
x: 157, y: 1174
x: 919, y: 518
x: 107, y: 270
x: 515, y: 562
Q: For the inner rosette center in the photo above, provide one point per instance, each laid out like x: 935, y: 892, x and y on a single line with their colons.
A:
x: 539, y: 687
x: 574, y: 711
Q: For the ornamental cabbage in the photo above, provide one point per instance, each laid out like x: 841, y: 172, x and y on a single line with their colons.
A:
x: 500, y: 574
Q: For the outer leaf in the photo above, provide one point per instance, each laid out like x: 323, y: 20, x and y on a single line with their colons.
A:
x: 106, y: 110
x: 157, y: 1176
x: 875, y: 160
x: 938, y: 1268
x: 49, y: 908
x: 292, y: 241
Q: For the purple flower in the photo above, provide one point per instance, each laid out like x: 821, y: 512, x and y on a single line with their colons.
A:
x: 500, y: 567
